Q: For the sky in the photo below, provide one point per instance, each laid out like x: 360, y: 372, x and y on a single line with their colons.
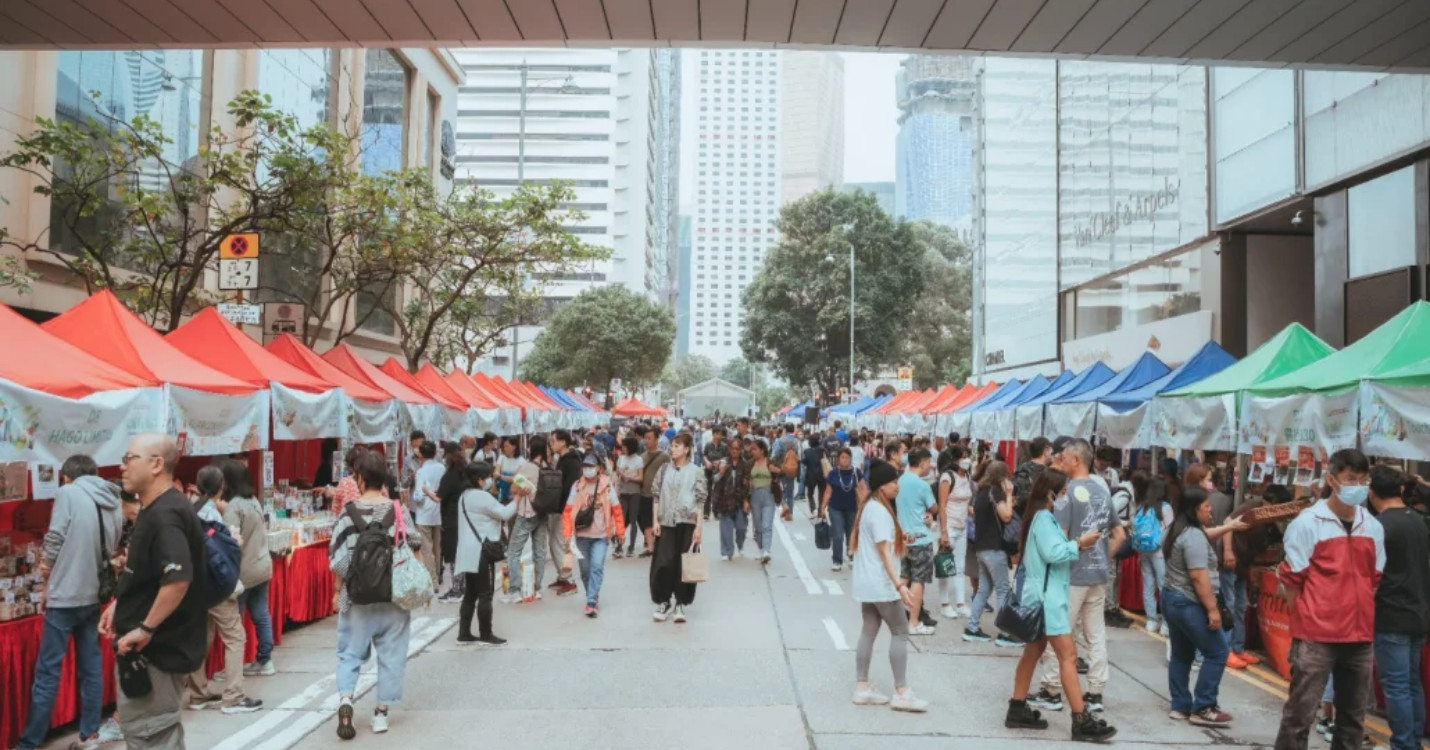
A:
x: 871, y: 117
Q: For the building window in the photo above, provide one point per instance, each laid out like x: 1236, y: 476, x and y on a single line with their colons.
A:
x: 1380, y: 219
x: 384, y: 99
x: 1159, y: 290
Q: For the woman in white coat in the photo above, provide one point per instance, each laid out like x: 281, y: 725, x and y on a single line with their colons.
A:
x: 480, y: 518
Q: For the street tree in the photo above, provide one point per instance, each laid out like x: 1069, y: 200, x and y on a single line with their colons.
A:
x: 126, y: 218
x: 740, y: 372
x: 685, y: 372
x: 797, y: 306
x: 605, y: 333
x: 939, y: 342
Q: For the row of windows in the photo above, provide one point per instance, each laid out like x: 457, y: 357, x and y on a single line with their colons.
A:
x: 534, y: 159
x: 563, y: 91
x: 503, y: 182
x: 534, y: 137
x: 541, y: 68
x: 592, y: 114
x: 569, y: 276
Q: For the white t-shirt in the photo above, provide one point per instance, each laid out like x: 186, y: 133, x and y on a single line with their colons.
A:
x: 856, y: 456
x: 630, y: 464
x: 871, y: 582
x: 428, y: 511
x: 960, y: 494
x: 509, y: 464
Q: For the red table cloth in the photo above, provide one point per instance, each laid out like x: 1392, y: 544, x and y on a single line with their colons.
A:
x: 277, y: 609
x: 19, y: 651
x: 1129, y: 583
x: 310, y: 583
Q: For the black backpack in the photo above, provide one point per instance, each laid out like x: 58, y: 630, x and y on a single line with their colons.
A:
x: 548, y: 498
x: 224, y: 558
x: 369, y: 577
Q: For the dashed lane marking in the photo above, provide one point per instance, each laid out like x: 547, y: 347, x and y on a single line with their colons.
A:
x: 797, y: 560
x: 835, y: 634
x: 833, y: 587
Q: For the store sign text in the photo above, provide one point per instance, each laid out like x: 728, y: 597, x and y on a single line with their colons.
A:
x: 1140, y: 207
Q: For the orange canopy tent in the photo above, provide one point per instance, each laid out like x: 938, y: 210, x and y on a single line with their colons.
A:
x: 945, y: 395
x: 968, y: 398
x: 344, y: 358
x: 104, y: 327
x: 211, y: 338
x: 633, y: 407
x: 540, y: 395
x: 289, y: 349
x: 497, y: 386
x: 462, y: 383
x: 439, y: 387
x: 393, y: 369
x: 894, y: 404
x: 42, y: 362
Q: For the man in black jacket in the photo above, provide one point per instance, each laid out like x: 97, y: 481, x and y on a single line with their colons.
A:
x: 568, y: 462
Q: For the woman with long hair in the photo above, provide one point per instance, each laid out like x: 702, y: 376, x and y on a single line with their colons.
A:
x: 1047, y: 556
x: 764, y: 494
x: 450, y: 489
x: 730, y: 500
x: 242, y: 512
x: 881, y: 594
x: 480, y: 517
x: 992, y: 508
x: 1190, y: 604
x: 955, y: 493
x: 1152, y: 504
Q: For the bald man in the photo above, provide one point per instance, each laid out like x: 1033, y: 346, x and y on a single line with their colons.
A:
x: 159, y: 612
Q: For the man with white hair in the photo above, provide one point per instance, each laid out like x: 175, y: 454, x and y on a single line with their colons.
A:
x: 158, y: 617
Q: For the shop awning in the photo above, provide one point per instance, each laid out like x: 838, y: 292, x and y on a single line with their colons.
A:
x: 394, y: 369
x: 288, y: 348
x: 1402, y: 341
x: 1208, y: 361
x: 209, y: 337
x: 970, y: 394
x: 40, y: 361
x: 994, y: 399
x: 344, y: 358
x: 104, y: 327
x: 1290, y: 350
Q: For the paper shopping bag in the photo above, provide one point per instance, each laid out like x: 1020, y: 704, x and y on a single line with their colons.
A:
x: 694, y: 566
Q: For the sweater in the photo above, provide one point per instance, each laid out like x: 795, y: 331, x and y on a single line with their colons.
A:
x: 72, y: 543
x: 480, y: 511
x: 256, y: 565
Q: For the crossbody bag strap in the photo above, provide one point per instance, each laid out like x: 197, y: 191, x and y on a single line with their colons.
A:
x: 103, y: 539
x: 462, y: 508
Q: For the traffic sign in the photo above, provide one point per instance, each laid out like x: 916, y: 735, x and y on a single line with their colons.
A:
x: 237, y: 274
x: 241, y: 314
x: 238, y: 246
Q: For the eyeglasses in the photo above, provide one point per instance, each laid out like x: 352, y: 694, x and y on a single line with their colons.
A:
x: 128, y: 457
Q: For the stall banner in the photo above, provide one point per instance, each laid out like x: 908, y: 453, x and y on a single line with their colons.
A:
x: 1206, y: 423
x: 1028, y: 420
x: 959, y: 421
x: 217, y: 424
x: 1127, y: 429
x: 372, y: 421
x: 425, y: 417
x: 1072, y: 420
x: 307, y: 416
x: 1394, y: 421
x: 1323, y: 420
x: 38, y: 427
x: 1001, y: 425
x: 455, y: 424
x: 981, y: 426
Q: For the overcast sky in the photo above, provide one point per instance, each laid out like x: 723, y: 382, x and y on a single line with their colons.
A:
x: 870, y: 121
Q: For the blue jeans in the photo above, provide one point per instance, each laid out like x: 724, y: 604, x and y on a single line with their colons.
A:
x: 60, y: 623
x: 386, y: 627
x: 593, y: 566
x: 255, y: 601
x: 787, y: 489
x: 992, y: 576
x: 732, y: 532
x: 1233, y: 592
x: 1154, y: 572
x: 1187, y: 619
x: 1397, y: 661
x: 841, y: 527
x: 762, y: 508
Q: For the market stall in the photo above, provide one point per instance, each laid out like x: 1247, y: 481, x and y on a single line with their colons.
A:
x: 943, y: 419
x: 1030, y: 418
x: 997, y: 422
x: 961, y: 420
x: 634, y: 408
x: 416, y: 410
x: 1123, y: 419
x: 509, y: 419
x: 1075, y: 414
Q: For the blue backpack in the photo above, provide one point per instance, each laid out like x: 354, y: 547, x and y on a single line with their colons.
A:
x: 1147, y: 530
x: 224, y: 557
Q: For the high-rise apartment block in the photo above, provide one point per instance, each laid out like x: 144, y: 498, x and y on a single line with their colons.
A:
x: 811, y: 123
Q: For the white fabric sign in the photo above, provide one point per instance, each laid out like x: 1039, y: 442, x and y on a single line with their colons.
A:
x: 38, y: 427
x: 1128, y: 429
x: 1072, y: 420
x: 1028, y: 421
x: 425, y: 417
x: 1395, y: 421
x: 1319, y: 420
x: 298, y: 415
x: 1001, y: 425
x: 1205, y: 423
x: 372, y: 422
x: 216, y: 424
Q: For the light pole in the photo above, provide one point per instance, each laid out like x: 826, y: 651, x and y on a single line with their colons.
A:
x: 830, y: 259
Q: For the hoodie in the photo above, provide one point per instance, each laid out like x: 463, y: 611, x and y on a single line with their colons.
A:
x: 72, y: 543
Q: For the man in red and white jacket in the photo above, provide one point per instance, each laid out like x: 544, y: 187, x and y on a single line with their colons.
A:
x: 1335, y: 552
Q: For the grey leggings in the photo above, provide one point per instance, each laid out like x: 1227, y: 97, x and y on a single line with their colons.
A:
x: 893, y: 615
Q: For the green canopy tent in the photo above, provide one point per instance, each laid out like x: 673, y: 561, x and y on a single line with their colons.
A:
x: 1202, y: 415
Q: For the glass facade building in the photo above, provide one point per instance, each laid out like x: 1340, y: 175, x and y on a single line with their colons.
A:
x: 934, y: 152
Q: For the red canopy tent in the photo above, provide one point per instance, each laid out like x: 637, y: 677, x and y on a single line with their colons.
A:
x: 462, y: 383
x: 397, y: 372
x: 897, y: 401
x: 43, y: 362
x: 540, y: 395
x: 431, y: 380
x: 498, y: 386
x: 344, y: 358
x: 945, y: 395
x: 970, y: 396
x: 211, y: 338
x: 104, y: 327
x: 288, y: 348
x: 633, y: 407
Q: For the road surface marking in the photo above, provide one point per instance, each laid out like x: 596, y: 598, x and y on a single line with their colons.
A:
x: 797, y: 560
x: 833, y: 587
x: 799, y: 536
x: 835, y: 634
x: 246, y: 736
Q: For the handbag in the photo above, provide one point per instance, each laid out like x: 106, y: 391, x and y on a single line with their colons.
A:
x: 1023, y: 621
x: 694, y: 566
x: 493, y: 550
x: 944, y: 566
x: 411, y: 583
x: 108, y: 581
x: 821, y: 535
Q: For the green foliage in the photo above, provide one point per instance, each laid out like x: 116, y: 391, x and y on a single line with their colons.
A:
x: 740, y: 372
x: 605, y: 333
x: 939, y: 341
x: 772, y: 398
x: 685, y: 372
x: 797, y: 307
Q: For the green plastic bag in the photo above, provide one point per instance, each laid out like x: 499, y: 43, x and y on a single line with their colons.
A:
x: 944, y: 565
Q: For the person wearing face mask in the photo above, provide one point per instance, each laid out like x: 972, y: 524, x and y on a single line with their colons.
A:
x: 1335, y: 552
x: 592, y: 512
x: 955, y: 492
x: 1402, y: 608
x: 480, y: 517
x: 918, y: 514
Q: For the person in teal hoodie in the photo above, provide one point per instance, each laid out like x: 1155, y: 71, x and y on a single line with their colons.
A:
x: 1047, y: 554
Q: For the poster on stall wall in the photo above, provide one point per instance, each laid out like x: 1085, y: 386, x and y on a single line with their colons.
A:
x: 268, y: 482
x: 14, y: 481
x: 372, y: 422
x: 219, y: 424
x: 1394, y: 421
x: 1305, y: 465
x: 1317, y: 420
x: 41, y: 428
x: 308, y: 416
x: 1199, y: 423
x: 1282, y: 465
x: 44, y: 481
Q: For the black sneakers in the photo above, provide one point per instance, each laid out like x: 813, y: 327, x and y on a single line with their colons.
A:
x: 1089, y: 728
x: 1022, y: 716
x: 1081, y: 665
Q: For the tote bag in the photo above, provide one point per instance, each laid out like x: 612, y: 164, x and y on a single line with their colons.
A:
x: 694, y: 566
x: 411, y: 583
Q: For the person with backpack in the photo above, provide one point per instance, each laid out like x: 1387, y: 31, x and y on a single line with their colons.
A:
x: 592, y: 512
x: 529, y: 525
x: 224, y: 618
x: 83, y: 534
x: 159, y: 614
x: 1150, y: 521
x: 480, y: 519
x: 244, y: 517
x: 361, y: 553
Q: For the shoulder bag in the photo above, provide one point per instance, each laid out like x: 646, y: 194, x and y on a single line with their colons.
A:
x: 1020, y: 620
x: 493, y: 550
x: 411, y: 583
x: 108, y: 581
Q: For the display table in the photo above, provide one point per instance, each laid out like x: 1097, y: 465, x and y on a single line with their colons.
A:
x: 310, y: 583
x: 19, y: 651
x: 1129, y: 584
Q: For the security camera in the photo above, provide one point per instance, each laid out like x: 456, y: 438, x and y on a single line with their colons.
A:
x: 1298, y: 219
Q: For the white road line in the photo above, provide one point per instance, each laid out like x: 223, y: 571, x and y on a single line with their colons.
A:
x: 833, y: 587
x: 835, y: 634
x: 797, y: 559
x: 799, y: 536
x: 296, y: 731
x: 311, y: 693
x: 251, y: 733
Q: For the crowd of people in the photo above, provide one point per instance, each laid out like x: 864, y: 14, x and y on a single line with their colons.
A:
x: 482, y: 520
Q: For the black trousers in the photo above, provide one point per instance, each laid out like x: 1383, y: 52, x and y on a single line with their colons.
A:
x: 477, y: 599
x: 665, y: 582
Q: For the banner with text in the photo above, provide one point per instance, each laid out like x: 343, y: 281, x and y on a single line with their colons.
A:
x: 38, y: 427
x: 298, y: 415
x: 1127, y: 429
x: 216, y: 424
x: 1205, y: 423
x: 1394, y: 421
x: 1323, y: 420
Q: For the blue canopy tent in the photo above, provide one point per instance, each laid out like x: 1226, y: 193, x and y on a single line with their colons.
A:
x: 796, y: 412
x: 858, y: 407
x: 1124, y: 419
x: 1028, y: 416
x: 1076, y: 414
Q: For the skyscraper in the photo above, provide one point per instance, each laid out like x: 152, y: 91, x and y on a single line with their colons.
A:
x: 683, y: 303
x: 934, y: 152
x: 737, y: 188
x: 811, y: 123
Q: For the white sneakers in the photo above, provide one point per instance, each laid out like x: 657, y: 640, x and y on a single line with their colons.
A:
x: 662, y: 612
x: 905, y: 701
x: 922, y: 630
x: 1152, y: 625
x: 680, y: 613
x: 836, y: 567
x: 948, y: 612
x: 870, y: 697
x: 379, y: 721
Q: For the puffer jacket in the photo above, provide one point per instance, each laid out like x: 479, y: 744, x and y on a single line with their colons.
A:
x: 1336, y: 573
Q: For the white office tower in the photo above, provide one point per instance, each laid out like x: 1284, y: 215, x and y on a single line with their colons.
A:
x: 737, y: 188
x: 811, y: 123
x: 585, y: 117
